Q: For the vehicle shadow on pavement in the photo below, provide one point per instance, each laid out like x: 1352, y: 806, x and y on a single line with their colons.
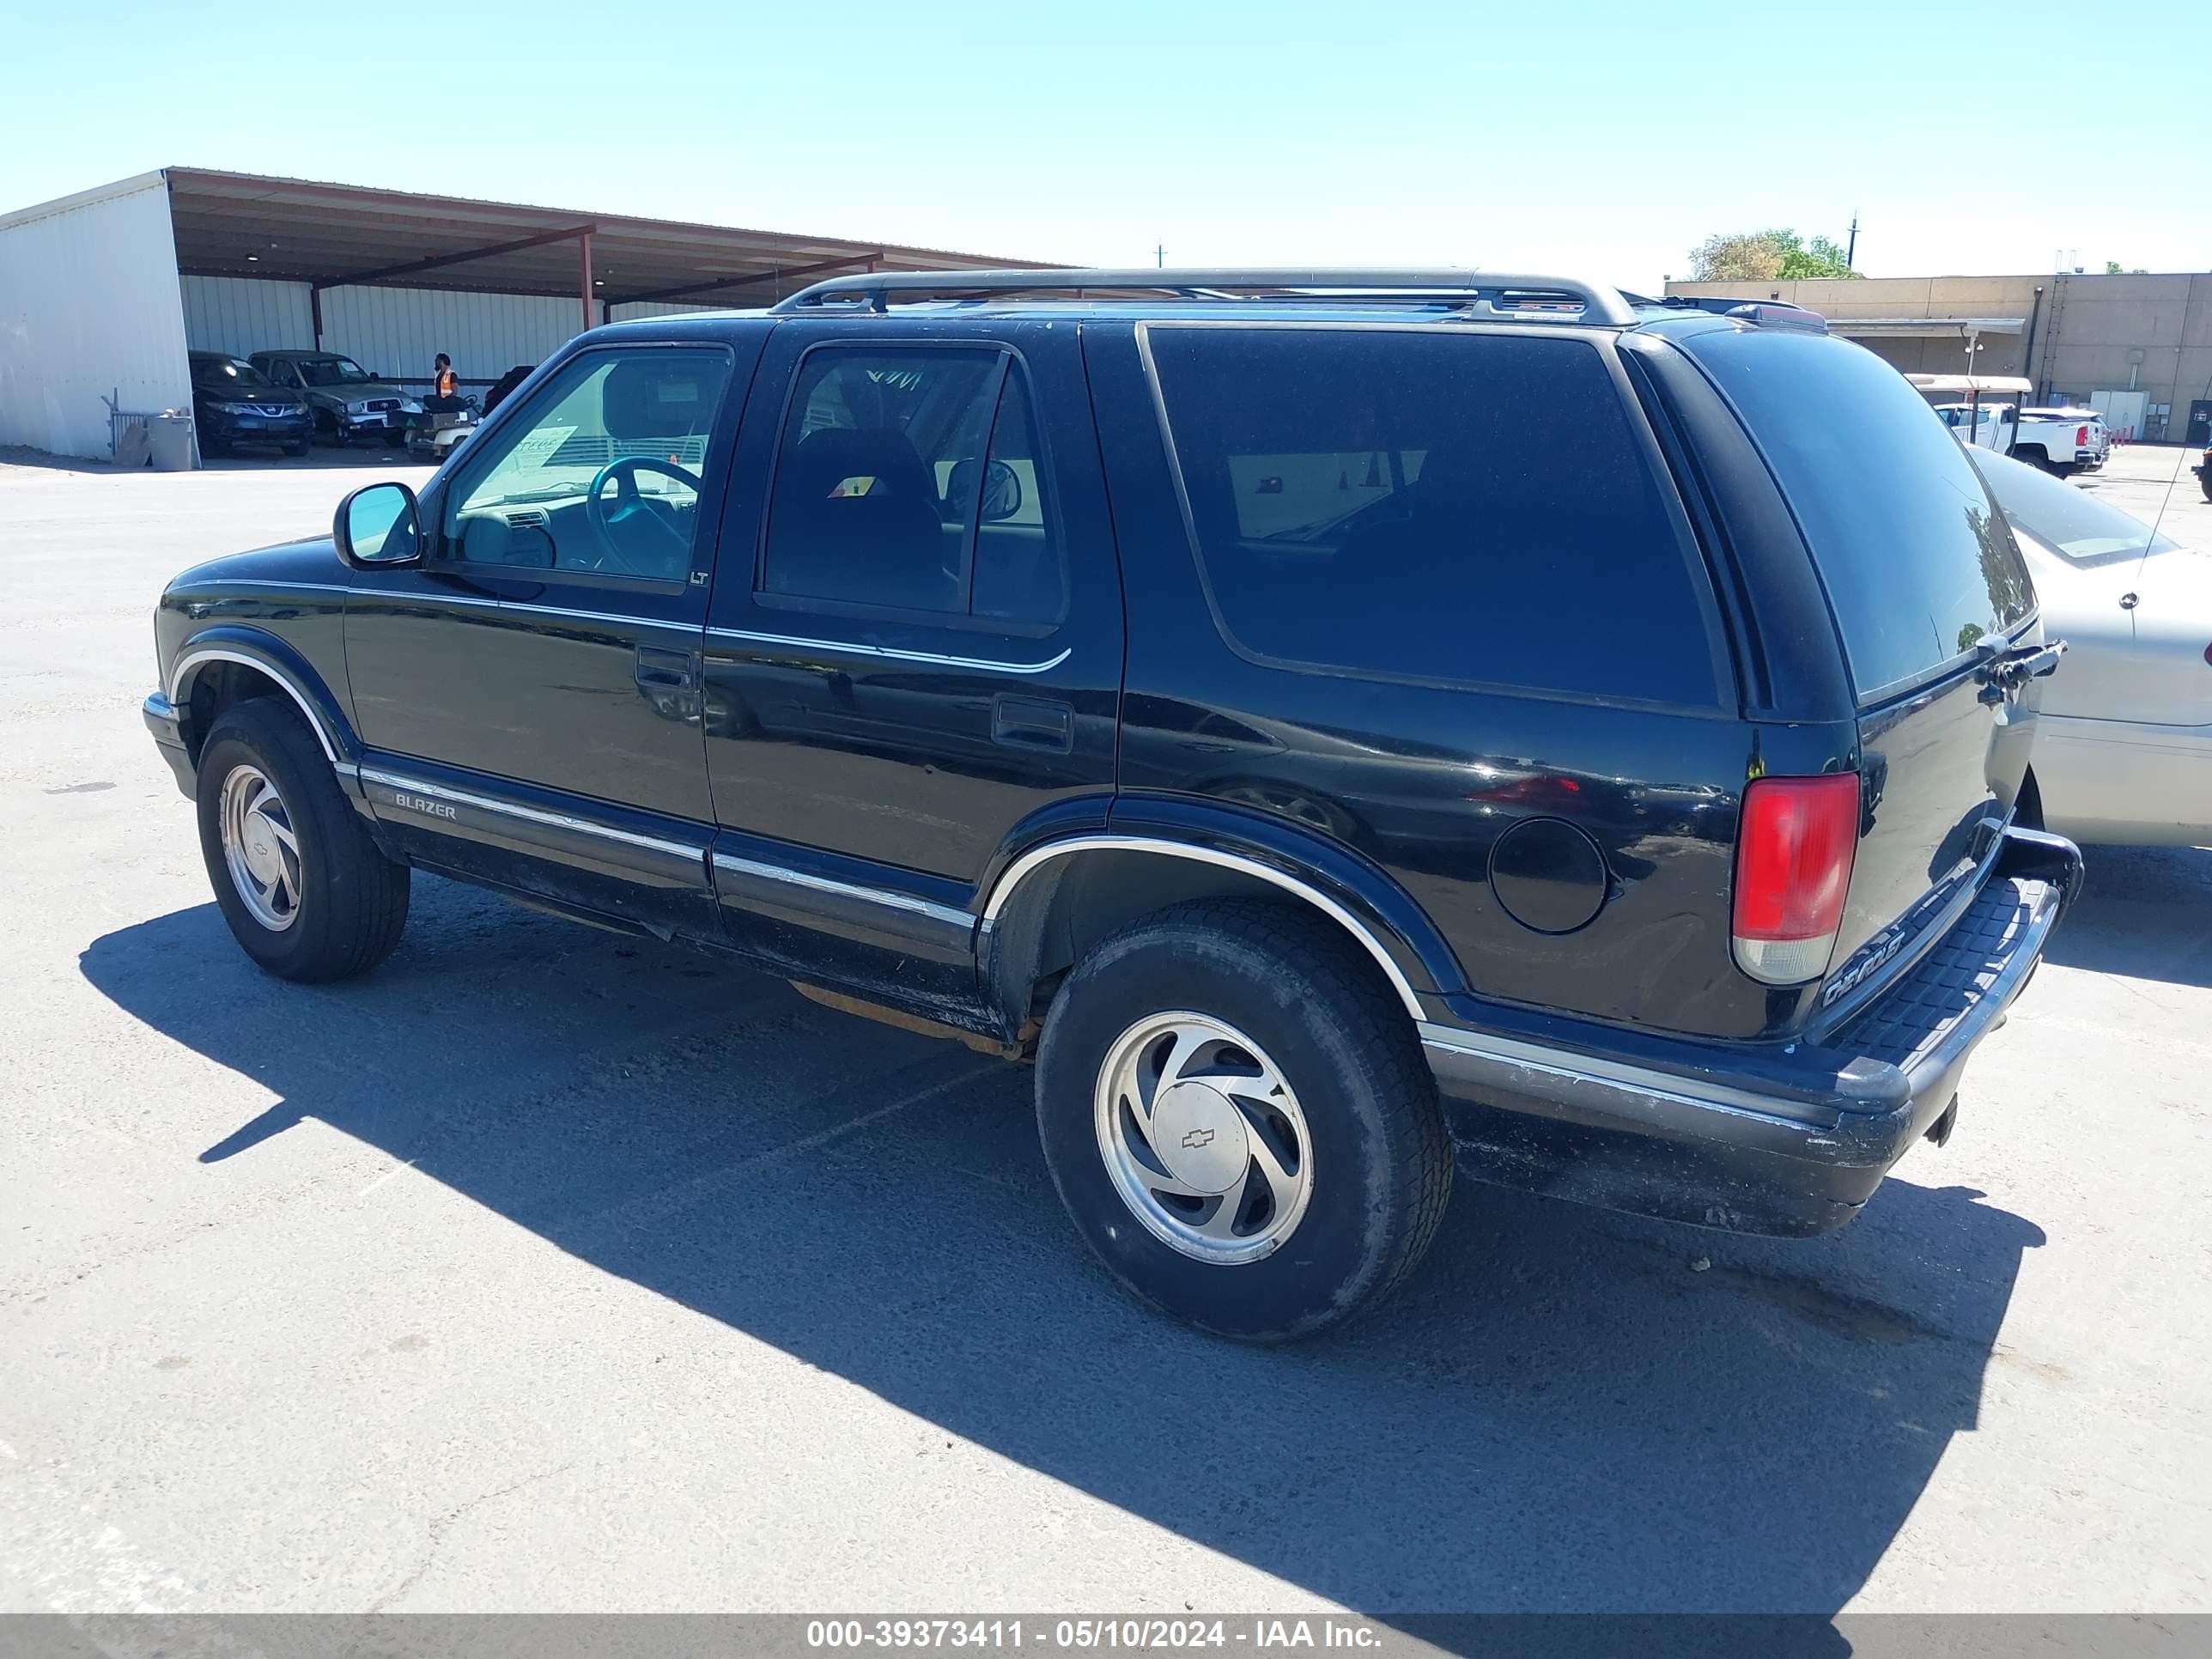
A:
x: 2144, y: 913
x: 1564, y: 1410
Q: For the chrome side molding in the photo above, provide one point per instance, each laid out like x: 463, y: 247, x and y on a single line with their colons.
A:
x: 190, y: 660
x: 941, y: 913
x: 1012, y: 876
x: 413, y: 786
x: 981, y: 665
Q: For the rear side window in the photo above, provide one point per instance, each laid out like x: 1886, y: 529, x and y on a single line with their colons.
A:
x: 1429, y: 505
x: 1916, y: 562
x: 909, y: 480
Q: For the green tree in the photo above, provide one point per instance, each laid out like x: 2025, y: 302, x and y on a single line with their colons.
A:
x: 1743, y: 259
x: 1766, y: 256
x: 1818, y: 257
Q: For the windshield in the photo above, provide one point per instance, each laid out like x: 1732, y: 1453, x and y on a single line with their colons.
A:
x: 231, y: 372
x: 331, y: 371
x: 2065, y: 519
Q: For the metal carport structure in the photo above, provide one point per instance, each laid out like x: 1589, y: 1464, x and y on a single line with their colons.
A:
x: 102, y: 293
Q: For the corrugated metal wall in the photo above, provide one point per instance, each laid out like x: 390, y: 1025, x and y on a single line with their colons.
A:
x: 400, y: 330
x: 391, y: 330
x: 653, y: 308
x: 388, y: 330
x: 89, y: 307
x: 240, y: 316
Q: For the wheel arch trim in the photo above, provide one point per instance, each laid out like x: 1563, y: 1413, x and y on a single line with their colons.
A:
x: 251, y: 652
x: 1011, y: 878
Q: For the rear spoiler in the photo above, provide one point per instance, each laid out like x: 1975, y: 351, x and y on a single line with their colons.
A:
x: 1764, y: 313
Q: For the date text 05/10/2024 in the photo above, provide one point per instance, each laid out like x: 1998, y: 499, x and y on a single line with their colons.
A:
x: 1259, y: 1635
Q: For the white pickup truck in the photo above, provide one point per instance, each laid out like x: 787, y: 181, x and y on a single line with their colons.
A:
x: 2060, y: 440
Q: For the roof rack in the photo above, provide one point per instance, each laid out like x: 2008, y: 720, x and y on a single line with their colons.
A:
x: 1505, y: 296
x: 1770, y: 313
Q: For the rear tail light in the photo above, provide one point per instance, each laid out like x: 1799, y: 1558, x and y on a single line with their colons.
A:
x: 1793, y: 866
x: 2081, y: 437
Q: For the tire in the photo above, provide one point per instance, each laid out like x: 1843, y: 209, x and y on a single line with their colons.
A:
x: 1256, y: 988
x: 2205, y: 479
x: 335, y: 905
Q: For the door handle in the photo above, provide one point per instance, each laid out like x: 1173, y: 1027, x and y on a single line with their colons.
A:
x: 665, y: 669
x: 669, y: 680
x: 1033, y: 723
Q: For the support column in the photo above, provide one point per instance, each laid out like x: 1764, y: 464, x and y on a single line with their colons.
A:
x: 584, y: 246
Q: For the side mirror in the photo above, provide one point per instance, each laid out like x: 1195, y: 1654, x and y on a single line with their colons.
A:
x: 1002, y: 489
x: 379, y: 528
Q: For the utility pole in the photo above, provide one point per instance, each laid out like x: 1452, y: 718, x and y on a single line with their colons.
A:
x: 1160, y: 257
x: 1851, y: 247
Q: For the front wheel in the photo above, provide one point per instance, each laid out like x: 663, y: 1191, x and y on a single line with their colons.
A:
x: 1238, y: 1117
x: 2205, y: 479
x: 306, y: 892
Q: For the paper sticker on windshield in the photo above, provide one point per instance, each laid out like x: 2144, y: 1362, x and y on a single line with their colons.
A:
x: 539, y: 446
x: 854, y: 486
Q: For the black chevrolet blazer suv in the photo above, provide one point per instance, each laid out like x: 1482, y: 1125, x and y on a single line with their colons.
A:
x: 1331, y: 721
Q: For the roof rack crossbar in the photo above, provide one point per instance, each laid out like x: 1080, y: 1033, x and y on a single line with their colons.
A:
x: 876, y: 290
x: 1774, y: 314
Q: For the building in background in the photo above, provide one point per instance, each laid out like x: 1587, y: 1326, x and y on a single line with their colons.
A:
x: 2139, y: 349
x: 103, y: 292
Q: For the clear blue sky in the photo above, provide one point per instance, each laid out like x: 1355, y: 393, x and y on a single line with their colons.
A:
x: 1602, y: 140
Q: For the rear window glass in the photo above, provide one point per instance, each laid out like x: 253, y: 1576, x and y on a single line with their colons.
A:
x: 1916, y: 562
x: 2067, y: 520
x: 1425, y: 504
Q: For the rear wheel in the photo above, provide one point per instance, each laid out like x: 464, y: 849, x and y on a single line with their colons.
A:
x: 304, y: 890
x: 1239, y: 1119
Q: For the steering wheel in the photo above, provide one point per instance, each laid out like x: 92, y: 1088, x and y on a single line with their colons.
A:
x: 636, y: 518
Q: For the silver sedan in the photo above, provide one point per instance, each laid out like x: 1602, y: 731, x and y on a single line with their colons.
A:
x: 2123, y: 749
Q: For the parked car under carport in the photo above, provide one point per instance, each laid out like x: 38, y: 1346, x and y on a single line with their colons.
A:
x: 347, y: 402
x: 234, y: 402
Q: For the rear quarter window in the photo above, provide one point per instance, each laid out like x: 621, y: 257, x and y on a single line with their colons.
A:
x: 1918, y: 563
x: 1433, y: 505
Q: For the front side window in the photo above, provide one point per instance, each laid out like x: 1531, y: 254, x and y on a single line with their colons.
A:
x: 1425, y: 504
x: 909, y: 480
x: 603, y: 475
